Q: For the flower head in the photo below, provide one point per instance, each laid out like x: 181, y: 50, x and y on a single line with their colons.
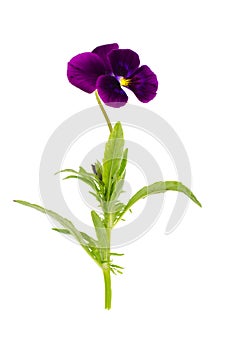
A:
x: 108, y: 70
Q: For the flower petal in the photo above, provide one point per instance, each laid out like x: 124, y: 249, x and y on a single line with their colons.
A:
x: 103, y: 51
x: 84, y: 70
x: 111, y: 92
x: 124, y: 62
x: 144, y: 84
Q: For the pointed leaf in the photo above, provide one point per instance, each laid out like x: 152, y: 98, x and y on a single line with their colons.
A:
x: 71, y: 177
x: 68, y: 225
x: 123, y: 164
x: 62, y: 221
x: 66, y: 171
x: 61, y: 230
x: 159, y: 187
x: 117, y: 254
x: 112, y: 156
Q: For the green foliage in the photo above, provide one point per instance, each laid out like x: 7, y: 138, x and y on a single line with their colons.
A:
x: 122, y: 169
x: 92, y: 180
x: 68, y: 228
x: 159, y: 187
x: 106, y: 184
x: 61, y: 230
x: 101, y: 232
x: 112, y: 160
x: 107, y: 180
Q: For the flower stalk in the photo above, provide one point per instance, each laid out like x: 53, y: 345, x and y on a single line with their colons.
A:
x: 103, y: 111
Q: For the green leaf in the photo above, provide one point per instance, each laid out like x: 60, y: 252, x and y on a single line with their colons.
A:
x: 66, y: 170
x: 86, y: 179
x: 121, y: 172
x: 67, y: 225
x: 98, y: 168
x: 71, y: 177
x: 98, y: 198
x: 101, y: 231
x: 93, y: 245
x: 83, y: 172
x: 117, y: 190
x: 90, y: 179
x: 117, y: 254
x: 91, y: 241
x: 112, y: 156
x: 159, y: 187
x: 63, y: 221
x: 89, y: 182
x: 119, y: 267
x: 61, y: 230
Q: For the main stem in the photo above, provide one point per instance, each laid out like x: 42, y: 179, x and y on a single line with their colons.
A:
x: 103, y: 111
x: 106, y: 265
x: 109, y: 225
x: 108, y: 290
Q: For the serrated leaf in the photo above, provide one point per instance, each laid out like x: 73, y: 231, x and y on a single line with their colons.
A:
x: 112, y: 156
x: 159, y: 187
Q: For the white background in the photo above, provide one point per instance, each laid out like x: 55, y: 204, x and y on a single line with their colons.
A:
x: 176, y: 290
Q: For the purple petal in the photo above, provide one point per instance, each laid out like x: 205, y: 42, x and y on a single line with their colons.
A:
x: 84, y: 70
x: 124, y: 62
x: 144, y: 84
x: 111, y: 92
x: 103, y: 51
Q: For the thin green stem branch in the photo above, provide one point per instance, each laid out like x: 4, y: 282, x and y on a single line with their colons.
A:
x: 103, y: 111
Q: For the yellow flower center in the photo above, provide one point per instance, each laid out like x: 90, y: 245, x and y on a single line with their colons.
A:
x: 124, y: 82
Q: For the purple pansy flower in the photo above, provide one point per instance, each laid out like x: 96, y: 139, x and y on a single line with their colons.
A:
x: 107, y: 69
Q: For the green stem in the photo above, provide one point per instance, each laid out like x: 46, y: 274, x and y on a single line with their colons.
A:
x: 108, y: 291
x: 106, y: 265
x: 103, y: 111
x: 108, y: 221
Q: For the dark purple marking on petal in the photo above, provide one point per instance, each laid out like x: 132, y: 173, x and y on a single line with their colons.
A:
x: 84, y: 70
x: 111, y: 92
x: 124, y: 62
x: 144, y: 84
x: 103, y: 51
